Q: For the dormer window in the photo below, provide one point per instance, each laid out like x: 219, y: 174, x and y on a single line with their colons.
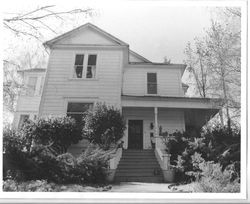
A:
x: 85, y: 66
x: 151, y: 83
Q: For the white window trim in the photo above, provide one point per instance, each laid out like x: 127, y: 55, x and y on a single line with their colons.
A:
x: 93, y: 100
x: 85, y: 64
x: 146, y: 84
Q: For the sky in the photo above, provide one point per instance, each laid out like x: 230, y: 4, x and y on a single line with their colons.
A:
x: 154, y: 29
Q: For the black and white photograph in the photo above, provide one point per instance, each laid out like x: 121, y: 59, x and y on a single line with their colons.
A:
x: 124, y: 101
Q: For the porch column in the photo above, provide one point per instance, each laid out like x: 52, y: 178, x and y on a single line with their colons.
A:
x: 156, y: 130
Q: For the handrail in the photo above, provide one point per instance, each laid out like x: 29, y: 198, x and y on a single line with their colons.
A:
x: 162, y: 158
x: 115, y: 159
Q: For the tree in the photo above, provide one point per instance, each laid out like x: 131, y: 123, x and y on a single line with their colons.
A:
x: 196, y: 65
x: 25, y: 32
x: 214, y: 63
x: 32, y: 23
x: 103, y: 125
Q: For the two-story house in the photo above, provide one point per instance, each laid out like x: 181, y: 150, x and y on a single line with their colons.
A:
x: 88, y: 65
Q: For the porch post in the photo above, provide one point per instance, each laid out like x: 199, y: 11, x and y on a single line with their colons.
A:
x: 156, y: 122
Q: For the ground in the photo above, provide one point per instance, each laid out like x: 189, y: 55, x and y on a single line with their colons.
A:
x: 137, y: 187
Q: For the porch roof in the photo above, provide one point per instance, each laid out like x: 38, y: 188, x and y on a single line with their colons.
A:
x: 171, y: 102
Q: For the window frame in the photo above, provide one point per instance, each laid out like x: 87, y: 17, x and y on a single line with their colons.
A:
x: 146, y: 89
x: 28, y: 87
x: 85, y: 66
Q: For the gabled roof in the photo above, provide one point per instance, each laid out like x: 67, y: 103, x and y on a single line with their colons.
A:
x: 100, y: 31
x: 139, y: 56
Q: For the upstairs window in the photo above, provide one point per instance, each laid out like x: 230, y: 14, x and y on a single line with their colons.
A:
x: 78, y: 68
x: 31, y: 86
x: 85, y: 66
x: 91, y: 68
x: 152, y: 83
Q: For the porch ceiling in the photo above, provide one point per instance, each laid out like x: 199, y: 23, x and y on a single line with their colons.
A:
x: 171, y: 102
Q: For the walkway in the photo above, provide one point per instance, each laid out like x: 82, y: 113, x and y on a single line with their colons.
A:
x: 136, y: 187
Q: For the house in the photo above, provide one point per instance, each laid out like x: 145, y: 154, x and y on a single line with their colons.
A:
x: 88, y: 65
x: 30, y: 96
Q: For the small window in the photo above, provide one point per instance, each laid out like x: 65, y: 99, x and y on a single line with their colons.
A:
x: 31, y: 86
x: 91, y: 68
x: 22, y: 120
x: 78, y: 68
x: 152, y: 83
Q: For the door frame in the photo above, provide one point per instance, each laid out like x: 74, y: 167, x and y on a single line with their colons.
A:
x: 142, y: 139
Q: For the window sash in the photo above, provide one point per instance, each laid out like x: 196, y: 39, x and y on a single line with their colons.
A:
x: 152, y: 83
x: 85, y: 67
x: 31, y: 86
x: 152, y: 88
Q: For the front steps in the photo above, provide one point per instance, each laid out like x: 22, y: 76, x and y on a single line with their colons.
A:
x: 138, y: 166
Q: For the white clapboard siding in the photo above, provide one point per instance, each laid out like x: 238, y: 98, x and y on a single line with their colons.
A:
x: 28, y: 103
x: 170, y: 120
x: 87, y: 36
x: 168, y: 81
x: 60, y: 87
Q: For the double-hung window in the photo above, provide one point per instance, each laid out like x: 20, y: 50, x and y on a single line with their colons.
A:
x: 151, y: 83
x: 78, y: 68
x: 85, y: 66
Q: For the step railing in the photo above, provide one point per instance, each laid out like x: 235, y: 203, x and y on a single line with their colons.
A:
x: 162, y: 158
x: 113, y: 164
x: 115, y: 159
x: 164, y: 161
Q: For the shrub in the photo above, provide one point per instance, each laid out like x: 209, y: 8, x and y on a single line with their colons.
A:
x: 57, y: 132
x: 25, y: 161
x: 214, y: 179
x: 103, y: 125
x: 31, y: 186
x: 216, y: 144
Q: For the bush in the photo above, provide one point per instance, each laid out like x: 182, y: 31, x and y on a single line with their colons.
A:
x: 57, y: 132
x: 213, y: 179
x: 103, y: 125
x: 31, y: 186
x: 215, y: 144
x: 25, y: 161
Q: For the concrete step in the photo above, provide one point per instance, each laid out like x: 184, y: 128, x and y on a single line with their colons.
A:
x: 138, y: 166
x: 135, y: 161
x: 138, y: 156
x: 145, y: 179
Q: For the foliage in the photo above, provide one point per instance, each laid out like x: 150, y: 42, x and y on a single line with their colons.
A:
x: 216, y: 144
x: 45, y: 186
x: 25, y: 161
x: 103, y: 125
x: 213, y: 179
x: 55, y: 132
x: 32, y: 186
x: 214, y: 63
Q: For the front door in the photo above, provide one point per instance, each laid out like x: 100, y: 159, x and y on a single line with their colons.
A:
x: 135, y: 134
